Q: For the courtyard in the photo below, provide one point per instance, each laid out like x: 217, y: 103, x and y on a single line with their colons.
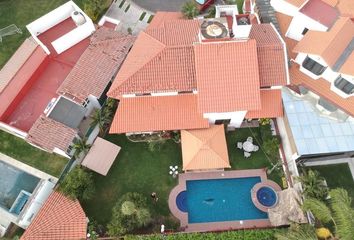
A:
x: 138, y: 168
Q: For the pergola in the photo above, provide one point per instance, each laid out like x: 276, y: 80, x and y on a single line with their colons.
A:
x: 101, y: 156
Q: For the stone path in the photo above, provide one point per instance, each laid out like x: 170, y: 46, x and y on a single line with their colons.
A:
x: 128, y: 14
x: 350, y: 162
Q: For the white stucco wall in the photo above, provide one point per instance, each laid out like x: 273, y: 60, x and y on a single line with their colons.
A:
x: 284, y: 7
x: 299, y: 23
x: 236, y: 117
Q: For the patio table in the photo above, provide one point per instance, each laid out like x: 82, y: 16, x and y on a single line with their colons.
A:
x: 248, y: 146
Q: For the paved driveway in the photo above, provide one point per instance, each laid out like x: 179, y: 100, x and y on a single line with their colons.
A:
x: 161, y: 5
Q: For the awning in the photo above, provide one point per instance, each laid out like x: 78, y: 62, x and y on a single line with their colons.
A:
x: 101, y: 156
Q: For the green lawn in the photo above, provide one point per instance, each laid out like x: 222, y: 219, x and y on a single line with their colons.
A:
x: 257, y: 160
x: 19, y: 149
x: 21, y: 13
x: 136, y: 169
x: 337, y: 176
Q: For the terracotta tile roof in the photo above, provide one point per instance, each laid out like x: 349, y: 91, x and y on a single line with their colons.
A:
x: 272, y: 106
x: 347, y: 67
x: 329, y: 45
x: 48, y: 134
x: 204, y: 149
x: 284, y: 22
x: 321, y: 12
x: 226, y: 85
x: 8, y: 72
x: 161, y: 17
x: 271, y: 55
x: 159, y: 61
x: 332, y: 3
x: 146, y: 114
x: 60, y: 218
x: 296, y: 3
x: 346, y: 8
x: 322, y: 88
x: 97, y: 65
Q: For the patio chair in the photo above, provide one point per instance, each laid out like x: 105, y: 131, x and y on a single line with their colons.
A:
x: 250, y: 139
x: 246, y: 154
x: 256, y: 148
x: 239, y: 145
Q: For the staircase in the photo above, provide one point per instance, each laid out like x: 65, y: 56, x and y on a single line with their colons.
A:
x: 266, y: 13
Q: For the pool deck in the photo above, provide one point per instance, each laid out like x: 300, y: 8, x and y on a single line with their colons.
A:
x: 214, y: 226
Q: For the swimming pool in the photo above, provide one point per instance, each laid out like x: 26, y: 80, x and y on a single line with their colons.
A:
x: 13, y: 184
x: 217, y: 200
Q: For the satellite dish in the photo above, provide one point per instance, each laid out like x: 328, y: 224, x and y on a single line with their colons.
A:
x: 213, y: 29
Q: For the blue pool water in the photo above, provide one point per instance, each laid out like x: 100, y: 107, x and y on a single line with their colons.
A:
x: 181, y: 201
x: 266, y: 196
x: 216, y: 200
x: 13, y: 181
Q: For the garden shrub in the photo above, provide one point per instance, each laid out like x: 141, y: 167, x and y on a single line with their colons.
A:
x: 130, y: 213
x: 257, y: 234
x: 78, y: 184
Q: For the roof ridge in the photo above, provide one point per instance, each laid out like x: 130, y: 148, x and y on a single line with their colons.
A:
x: 154, y: 55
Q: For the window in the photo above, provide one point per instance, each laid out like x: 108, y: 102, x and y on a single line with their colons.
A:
x: 304, y: 31
x: 313, y: 66
x: 222, y: 121
x: 87, y: 101
x: 344, y: 85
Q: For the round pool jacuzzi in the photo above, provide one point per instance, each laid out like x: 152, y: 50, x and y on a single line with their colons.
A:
x: 264, y: 195
x: 267, y: 196
x: 181, y: 201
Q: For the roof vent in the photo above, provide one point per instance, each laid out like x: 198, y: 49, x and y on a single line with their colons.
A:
x: 78, y: 18
x: 243, y: 21
x: 213, y: 30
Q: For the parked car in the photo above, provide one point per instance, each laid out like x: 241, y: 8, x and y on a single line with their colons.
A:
x: 204, y: 4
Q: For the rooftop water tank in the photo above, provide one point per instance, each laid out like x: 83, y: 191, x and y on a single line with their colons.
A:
x: 78, y: 18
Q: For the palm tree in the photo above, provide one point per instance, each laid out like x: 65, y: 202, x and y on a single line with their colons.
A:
x: 313, y: 185
x: 339, y: 212
x: 298, y: 232
x: 80, y: 145
x: 190, y: 10
x: 100, y: 118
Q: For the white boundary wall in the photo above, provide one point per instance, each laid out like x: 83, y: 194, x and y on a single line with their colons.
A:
x: 55, y: 17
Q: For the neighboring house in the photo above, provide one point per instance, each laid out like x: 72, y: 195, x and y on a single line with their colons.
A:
x: 320, y: 40
x: 52, y: 84
x: 59, y: 218
x: 188, y: 74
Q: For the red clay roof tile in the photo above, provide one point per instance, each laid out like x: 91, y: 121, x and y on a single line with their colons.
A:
x: 272, y: 106
x: 322, y: 88
x: 59, y: 218
x: 48, y: 134
x: 227, y: 84
x: 146, y: 114
x: 97, y: 65
x: 271, y: 55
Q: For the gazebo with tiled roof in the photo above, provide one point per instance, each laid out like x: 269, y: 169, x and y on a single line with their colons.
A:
x: 204, y: 149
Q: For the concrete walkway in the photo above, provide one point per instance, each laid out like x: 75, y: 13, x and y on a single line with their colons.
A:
x: 128, y: 14
x: 161, y: 5
x: 350, y: 162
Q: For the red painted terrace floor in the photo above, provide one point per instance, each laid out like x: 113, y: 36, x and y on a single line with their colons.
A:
x: 50, y: 77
